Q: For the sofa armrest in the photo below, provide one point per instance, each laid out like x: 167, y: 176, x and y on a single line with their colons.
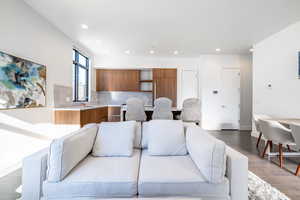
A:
x: 34, y: 172
x: 237, y: 173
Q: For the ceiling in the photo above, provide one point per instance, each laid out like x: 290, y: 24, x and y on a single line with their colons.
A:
x: 192, y: 27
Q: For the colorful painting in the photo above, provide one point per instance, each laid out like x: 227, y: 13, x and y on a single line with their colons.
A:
x: 22, y: 83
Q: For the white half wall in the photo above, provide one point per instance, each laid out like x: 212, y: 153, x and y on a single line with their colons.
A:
x: 275, y: 63
x: 26, y: 34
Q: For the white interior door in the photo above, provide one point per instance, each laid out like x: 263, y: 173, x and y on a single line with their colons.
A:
x: 230, y: 101
x: 189, y: 86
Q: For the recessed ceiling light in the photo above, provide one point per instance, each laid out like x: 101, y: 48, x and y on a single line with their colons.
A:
x: 84, y: 26
x: 175, y: 52
x: 151, y: 52
x: 251, y: 50
x: 127, y: 51
x: 218, y: 50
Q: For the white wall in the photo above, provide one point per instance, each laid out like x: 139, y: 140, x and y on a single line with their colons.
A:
x: 275, y: 62
x: 246, y: 92
x: 210, y: 69
x: 140, y: 61
x: 26, y: 34
x: 211, y: 73
x: 149, y: 62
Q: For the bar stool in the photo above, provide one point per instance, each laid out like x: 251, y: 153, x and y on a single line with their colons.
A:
x: 191, y: 110
x: 135, y: 110
x: 162, y: 108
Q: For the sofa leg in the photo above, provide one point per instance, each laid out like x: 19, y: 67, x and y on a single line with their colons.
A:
x: 258, y: 140
x: 265, y: 150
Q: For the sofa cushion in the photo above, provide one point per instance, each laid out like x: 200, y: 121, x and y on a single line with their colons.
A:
x: 145, y: 133
x: 66, y: 152
x: 208, y: 153
x: 138, y: 135
x: 166, y: 138
x: 115, y: 139
x: 176, y: 176
x: 98, y: 177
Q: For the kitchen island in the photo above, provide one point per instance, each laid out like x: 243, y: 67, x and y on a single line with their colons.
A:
x: 84, y: 114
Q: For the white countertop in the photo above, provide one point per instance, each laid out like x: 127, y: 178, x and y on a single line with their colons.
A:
x: 150, y: 108
x: 81, y: 107
x: 88, y: 107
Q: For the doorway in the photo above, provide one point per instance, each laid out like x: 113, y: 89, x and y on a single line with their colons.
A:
x: 230, y: 99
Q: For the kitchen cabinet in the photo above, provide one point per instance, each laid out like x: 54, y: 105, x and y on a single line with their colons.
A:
x: 165, y: 84
x: 118, y: 80
x: 81, y: 116
x: 114, y: 113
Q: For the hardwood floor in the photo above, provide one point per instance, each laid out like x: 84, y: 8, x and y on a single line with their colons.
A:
x: 283, y: 179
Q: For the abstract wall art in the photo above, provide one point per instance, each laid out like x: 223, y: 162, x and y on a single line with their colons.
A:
x: 22, y: 83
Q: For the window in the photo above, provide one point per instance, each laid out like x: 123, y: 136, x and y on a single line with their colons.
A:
x: 81, y: 76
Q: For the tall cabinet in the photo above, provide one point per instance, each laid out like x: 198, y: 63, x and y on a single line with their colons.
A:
x: 165, y: 84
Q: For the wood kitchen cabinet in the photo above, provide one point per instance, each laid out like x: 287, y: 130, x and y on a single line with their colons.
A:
x: 165, y: 84
x: 117, y: 80
x: 81, y: 117
x: 114, y: 113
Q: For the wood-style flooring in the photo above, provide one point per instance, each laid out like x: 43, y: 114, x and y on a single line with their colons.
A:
x: 283, y: 179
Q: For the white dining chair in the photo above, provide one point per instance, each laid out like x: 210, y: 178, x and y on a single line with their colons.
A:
x: 135, y: 110
x: 256, y: 118
x: 276, y: 133
x: 296, y: 134
x: 191, y: 110
x: 162, y: 108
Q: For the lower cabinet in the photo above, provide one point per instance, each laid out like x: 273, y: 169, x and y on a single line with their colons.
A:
x: 81, y: 117
x: 114, y: 113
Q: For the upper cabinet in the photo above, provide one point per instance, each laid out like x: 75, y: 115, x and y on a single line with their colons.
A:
x: 117, y: 80
x: 165, y: 84
x: 159, y: 81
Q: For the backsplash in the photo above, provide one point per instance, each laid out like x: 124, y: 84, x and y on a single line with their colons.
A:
x: 119, y: 98
x: 63, y: 96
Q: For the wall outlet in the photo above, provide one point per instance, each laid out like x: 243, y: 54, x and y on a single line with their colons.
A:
x: 68, y: 99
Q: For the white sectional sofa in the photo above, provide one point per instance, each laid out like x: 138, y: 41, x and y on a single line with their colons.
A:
x: 139, y: 176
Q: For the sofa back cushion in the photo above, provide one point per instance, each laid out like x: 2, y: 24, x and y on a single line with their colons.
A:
x: 115, y: 139
x: 166, y: 138
x: 138, y: 135
x: 145, y: 133
x: 208, y: 153
x: 66, y: 152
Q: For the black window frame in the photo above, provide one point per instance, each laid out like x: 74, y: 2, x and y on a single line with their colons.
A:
x: 77, y: 65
